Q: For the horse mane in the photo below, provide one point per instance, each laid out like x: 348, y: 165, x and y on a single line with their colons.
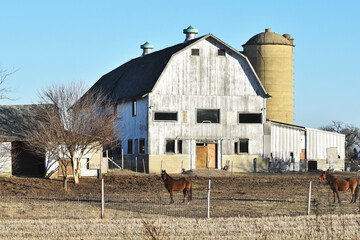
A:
x: 167, y: 175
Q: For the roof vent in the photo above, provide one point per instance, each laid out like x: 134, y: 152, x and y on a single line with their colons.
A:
x: 190, y: 33
x: 146, y: 48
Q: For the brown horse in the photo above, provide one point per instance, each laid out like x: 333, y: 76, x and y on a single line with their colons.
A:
x: 339, y: 184
x: 182, y: 184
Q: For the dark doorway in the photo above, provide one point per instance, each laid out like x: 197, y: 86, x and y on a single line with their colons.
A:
x: 26, y: 163
x: 312, y: 165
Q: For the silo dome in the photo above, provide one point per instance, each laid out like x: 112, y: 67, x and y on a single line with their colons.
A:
x: 269, y: 37
x: 271, y: 56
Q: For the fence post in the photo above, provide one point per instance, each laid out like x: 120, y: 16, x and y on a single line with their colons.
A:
x: 309, y: 199
x: 135, y: 164
x: 102, y: 198
x: 122, y: 158
x: 144, y: 165
x: 208, y: 200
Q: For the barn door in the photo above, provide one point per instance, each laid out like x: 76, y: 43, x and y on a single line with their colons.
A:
x: 201, y: 158
x: 206, y: 155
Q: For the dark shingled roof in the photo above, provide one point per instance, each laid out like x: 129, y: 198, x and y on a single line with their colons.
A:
x: 138, y: 76
x: 12, y: 118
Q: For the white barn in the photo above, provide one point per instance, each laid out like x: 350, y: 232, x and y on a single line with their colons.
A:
x: 197, y: 104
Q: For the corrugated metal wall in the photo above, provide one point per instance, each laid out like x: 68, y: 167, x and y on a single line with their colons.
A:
x: 318, y: 141
x: 286, y: 139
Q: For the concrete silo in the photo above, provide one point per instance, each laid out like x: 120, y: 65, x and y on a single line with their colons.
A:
x: 271, y: 55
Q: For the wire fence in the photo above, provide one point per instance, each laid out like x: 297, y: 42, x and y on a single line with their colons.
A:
x: 127, y: 205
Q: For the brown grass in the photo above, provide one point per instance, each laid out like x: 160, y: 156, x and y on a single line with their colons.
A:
x: 285, y: 227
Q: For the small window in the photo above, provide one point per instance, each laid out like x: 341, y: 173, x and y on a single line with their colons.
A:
x: 221, y: 52
x: 250, y: 118
x: 195, y: 52
x: 87, y: 163
x: 179, y: 142
x: 208, y: 116
x: 130, y: 146
x: 170, y: 146
x: 165, y: 116
x: 142, y: 146
x: 236, y: 147
x: 134, y: 108
x: 244, y: 146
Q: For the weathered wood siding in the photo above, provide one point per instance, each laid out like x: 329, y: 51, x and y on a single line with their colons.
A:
x: 207, y: 81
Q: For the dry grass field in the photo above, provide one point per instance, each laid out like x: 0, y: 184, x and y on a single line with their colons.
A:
x: 243, y: 206
x: 279, y: 227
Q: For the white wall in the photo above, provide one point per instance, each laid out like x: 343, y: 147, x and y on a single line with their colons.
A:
x: 5, y: 159
x: 318, y: 141
x: 133, y: 127
x: 207, y: 81
x: 52, y: 166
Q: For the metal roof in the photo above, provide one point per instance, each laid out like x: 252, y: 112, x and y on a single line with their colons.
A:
x: 12, y: 119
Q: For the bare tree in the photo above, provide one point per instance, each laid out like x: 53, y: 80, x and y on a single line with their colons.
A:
x: 4, y: 75
x: 352, y: 135
x: 70, y: 125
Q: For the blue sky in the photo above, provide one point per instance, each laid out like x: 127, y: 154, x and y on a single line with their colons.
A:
x: 62, y: 41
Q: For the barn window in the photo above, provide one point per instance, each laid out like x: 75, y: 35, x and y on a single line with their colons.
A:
x: 221, y: 52
x: 136, y: 148
x: 250, y: 118
x: 142, y: 145
x: 165, y: 116
x: 195, y: 52
x: 179, y: 143
x: 87, y: 163
x: 130, y: 146
x: 244, y: 146
x: 134, y: 108
x: 208, y: 116
x: 170, y: 146
x: 241, y: 146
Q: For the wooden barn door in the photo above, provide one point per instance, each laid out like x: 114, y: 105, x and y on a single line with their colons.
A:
x: 201, y: 158
x: 206, y: 155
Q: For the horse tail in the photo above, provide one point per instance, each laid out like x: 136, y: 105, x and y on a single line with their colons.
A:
x: 190, y: 197
x: 357, y: 191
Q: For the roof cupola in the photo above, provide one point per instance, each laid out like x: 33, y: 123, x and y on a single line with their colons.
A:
x: 146, y: 48
x: 190, y: 33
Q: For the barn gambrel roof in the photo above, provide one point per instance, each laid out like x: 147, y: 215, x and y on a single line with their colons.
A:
x: 138, y: 76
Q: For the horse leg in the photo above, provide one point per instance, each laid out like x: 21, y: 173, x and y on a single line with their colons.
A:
x: 337, y: 193
x: 171, y: 197
x: 184, y: 191
x: 355, y: 192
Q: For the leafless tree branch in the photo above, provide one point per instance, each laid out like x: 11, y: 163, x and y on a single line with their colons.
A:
x: 70, y: 124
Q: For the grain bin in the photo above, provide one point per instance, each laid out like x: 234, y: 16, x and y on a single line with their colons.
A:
x: 271, y: 55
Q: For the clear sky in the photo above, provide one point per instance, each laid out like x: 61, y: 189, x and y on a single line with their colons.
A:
x: 62, y: 41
